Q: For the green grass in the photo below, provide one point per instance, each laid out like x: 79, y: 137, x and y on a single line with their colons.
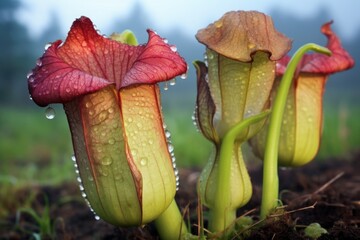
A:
x: 341, y: 131
x: 33, y: 148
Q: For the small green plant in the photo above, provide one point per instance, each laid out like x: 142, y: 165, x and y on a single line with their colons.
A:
x: 7, y: 188
x: 314, y: 231
x: 43, y: 220
x: 123, y: 151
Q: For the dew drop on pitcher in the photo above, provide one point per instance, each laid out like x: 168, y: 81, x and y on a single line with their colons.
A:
x: 183, y: 76
x: 173, y: 48
x: 50, y: 113
x: 172, y: 82
x: 166, y: 86
x: 46, y: 47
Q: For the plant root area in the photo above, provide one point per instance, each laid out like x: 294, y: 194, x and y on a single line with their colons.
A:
x: 326, y: 192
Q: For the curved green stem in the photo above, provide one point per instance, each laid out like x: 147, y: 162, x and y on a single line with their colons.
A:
x: 270, y: 172
x: 221, y: 215
x: 170, y: 224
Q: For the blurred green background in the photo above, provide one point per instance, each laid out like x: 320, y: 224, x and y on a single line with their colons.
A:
x: 33, y: 148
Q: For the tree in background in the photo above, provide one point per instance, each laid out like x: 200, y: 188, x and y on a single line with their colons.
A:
x: 17, y: 51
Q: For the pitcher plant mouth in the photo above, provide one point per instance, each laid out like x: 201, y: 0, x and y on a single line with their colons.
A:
x: 112, y: 102
x: 87, y: 62
x: 242, y: 50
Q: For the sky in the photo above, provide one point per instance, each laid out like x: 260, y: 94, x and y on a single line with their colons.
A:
x: 187, y: 15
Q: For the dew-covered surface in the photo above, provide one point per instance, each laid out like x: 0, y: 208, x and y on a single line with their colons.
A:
x: 324, y: 192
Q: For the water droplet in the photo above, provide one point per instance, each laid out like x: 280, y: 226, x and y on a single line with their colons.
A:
x: 170, y: 147
x: 81, y: 187
x: 102, y: 116
x: 97, y: 218
x: 193, y: 118
x: 167, y: 134
x: 103, y: 172
x: 143, y: 162
x: 31, y: 79
x: 78, y: 179
x: 284, y: 168
x: 88, y: 104
x: 218, y: 24
x: 172, y: 82
x: 251, y: 45
x: 49, y: 113
x: 166, y: 87
x: 73, y: 158
x: 110, y: 110
x: 119, y: 177
x: 166, y: 41
x: 38, y: 62
x: 210, y: 55
x: 106, y: 161
x: 183, y: 76
x: 177, y: 186
x: 173, y: 48
x: 83, y: 194
x: 248, y: 113
x: 89, y: 205
x: 205, y: 57
x: 47, y: 46
x: 206, y: 62
x: 30, y: 97
x: 134, y: 152
x: 29, y: 74
x: 84, y: 44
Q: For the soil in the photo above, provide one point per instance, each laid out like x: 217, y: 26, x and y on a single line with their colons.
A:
x: 326, y: 192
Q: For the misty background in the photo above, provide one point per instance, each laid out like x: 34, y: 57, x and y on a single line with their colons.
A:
x: 19, y: 49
